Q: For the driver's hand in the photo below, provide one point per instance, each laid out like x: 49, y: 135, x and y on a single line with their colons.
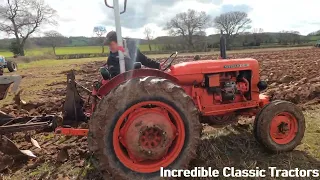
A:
x: 120, y: 48
x: 110, y: 67
x: 162, y: 65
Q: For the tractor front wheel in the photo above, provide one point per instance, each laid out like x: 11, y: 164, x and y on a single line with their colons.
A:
x: 279, y: 126
x: 142, y: 125
x: 12, y: 66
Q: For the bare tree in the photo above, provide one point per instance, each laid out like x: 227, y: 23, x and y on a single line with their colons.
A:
x: 289, y: 37
x: 283, y: 37
x: 187, y: 24
x: 257, y: 36
x: 21, y: 18
x: 149, y: 36
x: 295, y: 37
x: 232, y: 23
x: 100, y: 31
x: 200, y: 41
x: 54, y: 39
x: 257, y: 30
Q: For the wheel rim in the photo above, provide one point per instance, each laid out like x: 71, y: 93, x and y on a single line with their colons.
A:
x: 283, y: 128
x: 148, y: 135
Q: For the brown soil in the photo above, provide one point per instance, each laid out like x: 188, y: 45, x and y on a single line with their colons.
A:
x: 292, y: 75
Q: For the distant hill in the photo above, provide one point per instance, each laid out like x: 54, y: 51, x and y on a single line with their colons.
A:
x: 67, y: 42
x: 315, y: 33
x: 245, y: 39
x: 267, y: 36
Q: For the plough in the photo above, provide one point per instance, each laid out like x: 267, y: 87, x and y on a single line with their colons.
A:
x: 73, y: 115
x: 10, y: 124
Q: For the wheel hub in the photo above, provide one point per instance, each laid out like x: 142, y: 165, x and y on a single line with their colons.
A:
x: 283, y: 128
x: 153, y: 122
x: 147, y: 134
x: 151, y: 137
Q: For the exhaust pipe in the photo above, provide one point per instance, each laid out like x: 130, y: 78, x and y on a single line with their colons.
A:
x: 223, y: 46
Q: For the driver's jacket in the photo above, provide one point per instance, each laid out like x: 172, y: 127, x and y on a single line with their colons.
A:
x: 134, y: 55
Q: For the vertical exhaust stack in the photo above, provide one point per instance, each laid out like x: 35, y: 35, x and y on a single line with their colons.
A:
x: 223, y: 47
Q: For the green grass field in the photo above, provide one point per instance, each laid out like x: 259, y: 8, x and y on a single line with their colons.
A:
x: 314, y: 38
x: 71, y: 50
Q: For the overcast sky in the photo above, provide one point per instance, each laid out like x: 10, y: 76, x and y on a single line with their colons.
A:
x: 78, y: 17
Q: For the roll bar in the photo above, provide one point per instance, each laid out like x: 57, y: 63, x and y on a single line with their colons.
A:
x: 109, y: 6
x: 117, y: 13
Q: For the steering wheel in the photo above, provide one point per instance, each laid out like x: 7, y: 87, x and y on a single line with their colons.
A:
x: 170, y: 60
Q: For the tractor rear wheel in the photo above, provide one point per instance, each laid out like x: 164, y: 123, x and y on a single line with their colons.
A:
x: 142, y: 125
x: 279, y: 126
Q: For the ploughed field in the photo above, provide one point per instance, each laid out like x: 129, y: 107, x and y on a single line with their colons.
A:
x: 292, y: 75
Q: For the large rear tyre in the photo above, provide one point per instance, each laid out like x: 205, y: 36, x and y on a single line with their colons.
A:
x: 279, y: 126
x: 142, y: 125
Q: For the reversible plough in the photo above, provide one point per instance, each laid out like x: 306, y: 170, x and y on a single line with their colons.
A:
x: 10, y: 124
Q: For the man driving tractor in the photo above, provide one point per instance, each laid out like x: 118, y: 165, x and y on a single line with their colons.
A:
x: 112, y: 67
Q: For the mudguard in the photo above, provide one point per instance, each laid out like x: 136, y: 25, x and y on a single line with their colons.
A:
x: 106, y: 88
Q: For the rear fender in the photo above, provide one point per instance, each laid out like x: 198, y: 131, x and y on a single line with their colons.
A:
x: 106, y: 88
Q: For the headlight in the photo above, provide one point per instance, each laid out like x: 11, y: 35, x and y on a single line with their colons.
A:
x: 262, y: 85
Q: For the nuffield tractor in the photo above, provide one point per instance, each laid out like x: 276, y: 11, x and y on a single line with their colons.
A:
x: 145, y: 119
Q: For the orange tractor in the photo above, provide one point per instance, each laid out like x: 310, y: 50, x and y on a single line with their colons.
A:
x: 146, y: 119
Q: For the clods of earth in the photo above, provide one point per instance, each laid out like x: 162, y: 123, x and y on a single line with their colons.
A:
x: 292, y: 75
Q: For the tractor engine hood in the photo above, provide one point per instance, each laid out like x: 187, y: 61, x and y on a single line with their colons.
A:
x: 213, y: 66
x: 190, y: 73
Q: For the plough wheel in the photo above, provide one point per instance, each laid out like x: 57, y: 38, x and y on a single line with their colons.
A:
x: 279, y: 126
x: 142, y: 125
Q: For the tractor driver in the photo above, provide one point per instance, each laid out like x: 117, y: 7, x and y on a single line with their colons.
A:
x: 133, y: 55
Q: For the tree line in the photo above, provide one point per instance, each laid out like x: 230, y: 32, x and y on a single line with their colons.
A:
x: 22, y: 18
